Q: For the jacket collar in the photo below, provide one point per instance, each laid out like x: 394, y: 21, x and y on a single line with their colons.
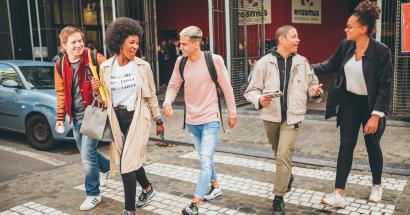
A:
x: 370, y: 48
x: 369, y: 53
x: 296, y: 60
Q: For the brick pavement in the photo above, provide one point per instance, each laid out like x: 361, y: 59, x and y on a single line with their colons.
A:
x: 246, y: 182
x: 318, y: 139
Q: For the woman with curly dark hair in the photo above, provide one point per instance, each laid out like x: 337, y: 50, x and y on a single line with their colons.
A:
x: 364, y: 67
x: 132, y: 103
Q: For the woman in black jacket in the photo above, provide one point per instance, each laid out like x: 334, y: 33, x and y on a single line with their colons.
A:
x: 364, y: 66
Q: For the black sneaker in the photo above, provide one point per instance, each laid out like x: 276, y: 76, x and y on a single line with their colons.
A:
x: 278, y: 206
x: 125, y: 212
x: 145, y: 197
x: 191, y: 209
x: 290, y: 183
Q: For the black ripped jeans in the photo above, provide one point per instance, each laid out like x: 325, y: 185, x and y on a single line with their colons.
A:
x: 130, y: 179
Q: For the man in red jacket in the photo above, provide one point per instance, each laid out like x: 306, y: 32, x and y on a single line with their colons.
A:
x: 74, y: 93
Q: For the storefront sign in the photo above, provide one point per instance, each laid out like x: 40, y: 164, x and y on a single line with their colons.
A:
x: 405, y: 27
x: 307, y: 11
x: 255, y: 12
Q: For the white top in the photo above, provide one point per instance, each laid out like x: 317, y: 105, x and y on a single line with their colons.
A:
x: 355, y: 82
x: 124, y: 86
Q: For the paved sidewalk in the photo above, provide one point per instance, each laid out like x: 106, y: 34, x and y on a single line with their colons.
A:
x: 246, y: 182
x: 318, y: 141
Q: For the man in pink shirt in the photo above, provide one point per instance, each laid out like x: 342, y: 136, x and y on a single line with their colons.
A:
x: 202, y: 112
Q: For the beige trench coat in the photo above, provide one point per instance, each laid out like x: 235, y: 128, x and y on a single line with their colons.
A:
x: 131, y: 155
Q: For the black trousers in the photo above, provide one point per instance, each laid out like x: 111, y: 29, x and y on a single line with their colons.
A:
x: 355, y: 112
x: 130, y: 179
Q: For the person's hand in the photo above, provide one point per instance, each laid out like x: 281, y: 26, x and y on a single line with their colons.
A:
x: 59, y: 127
x: 371, y: 125
x: 168, y: 111
x: 316, y: 90
x: 231, y: 121
x: 160, y: 130
x: 59, y: 123
x: 95, y: 84
x: 265, y: 101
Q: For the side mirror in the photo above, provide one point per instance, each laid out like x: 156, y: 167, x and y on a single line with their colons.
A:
x: 10, y: 83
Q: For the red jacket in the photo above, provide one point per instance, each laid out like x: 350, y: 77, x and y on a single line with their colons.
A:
x: 63, y: 84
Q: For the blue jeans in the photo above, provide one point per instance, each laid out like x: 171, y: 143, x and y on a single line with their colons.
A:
x: 93, y: 161
x: 206, y: 138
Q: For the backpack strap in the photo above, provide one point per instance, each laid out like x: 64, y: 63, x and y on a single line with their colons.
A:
x: 58, y: 60
x: 214, y: 75
x: 182, y: 63
x: 211, y: 67
x: 94, y: 61
x: 182, y: 66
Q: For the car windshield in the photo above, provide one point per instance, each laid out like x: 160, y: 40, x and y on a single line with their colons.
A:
x: 39, y: 77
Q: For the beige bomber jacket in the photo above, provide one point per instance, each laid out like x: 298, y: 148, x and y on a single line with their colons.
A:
x: 266, y: 78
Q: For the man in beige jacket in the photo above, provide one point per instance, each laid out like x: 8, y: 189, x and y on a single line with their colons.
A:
x: 281, y: 83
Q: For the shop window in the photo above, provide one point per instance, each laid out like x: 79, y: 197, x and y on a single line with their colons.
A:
x: 68, y: 13
x: 90, y: 14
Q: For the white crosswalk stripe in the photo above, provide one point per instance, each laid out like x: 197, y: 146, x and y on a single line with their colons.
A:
x: 32, y: 208
x: 308, y: 198
x: 162, y: 203
x: 37, y: 156
x: 366, y: 180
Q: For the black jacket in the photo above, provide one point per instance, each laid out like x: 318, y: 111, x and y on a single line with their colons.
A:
x: 377, y: 71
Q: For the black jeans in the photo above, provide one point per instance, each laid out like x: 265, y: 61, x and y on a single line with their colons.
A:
x: 355, y: 112
x: 130, y: 179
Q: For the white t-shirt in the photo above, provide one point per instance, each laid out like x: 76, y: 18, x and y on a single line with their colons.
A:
x: 124, y: 86
x: 355, y: 82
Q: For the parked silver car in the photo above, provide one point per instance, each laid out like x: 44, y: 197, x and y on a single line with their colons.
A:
x: 28, y: 102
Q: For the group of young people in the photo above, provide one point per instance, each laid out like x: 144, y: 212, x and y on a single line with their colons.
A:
x: 281, y: 84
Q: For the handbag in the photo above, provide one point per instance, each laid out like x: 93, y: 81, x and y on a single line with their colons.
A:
x: 96, y: 124
x: 335, y: 97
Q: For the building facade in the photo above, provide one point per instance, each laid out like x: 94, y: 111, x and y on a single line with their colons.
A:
x: 239, y: 30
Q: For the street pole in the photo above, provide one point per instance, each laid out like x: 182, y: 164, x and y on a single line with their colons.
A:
x: 211, y: 26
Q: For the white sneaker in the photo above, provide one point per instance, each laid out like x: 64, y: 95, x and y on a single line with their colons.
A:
x: 213, y: 193
x: 90, y: 202
x: 104, y: 177
x: 376, y: 194
x: 334, y: 200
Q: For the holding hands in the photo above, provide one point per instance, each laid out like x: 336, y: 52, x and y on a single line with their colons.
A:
x: 168, y: 111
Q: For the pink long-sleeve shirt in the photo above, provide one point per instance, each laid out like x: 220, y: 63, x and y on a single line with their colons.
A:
x: 200, y: 94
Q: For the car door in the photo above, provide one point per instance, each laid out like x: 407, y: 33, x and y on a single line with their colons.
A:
x: 9, y: 98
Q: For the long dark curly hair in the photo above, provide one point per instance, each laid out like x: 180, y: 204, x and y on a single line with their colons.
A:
x: 367, y: 12
x: 119, y: 30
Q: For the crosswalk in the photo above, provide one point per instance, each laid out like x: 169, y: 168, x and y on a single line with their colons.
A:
x: 183, y: 168
x: 366, y: 180
x: 296, y: 196
x: 162, y: 203
x: 32, y: 208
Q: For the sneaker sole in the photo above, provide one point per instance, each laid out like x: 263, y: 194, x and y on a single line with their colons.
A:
x: 334, y: 206
x: 149, y: 199
x: 218, y: 194
x: 374, y: 201
x: 87, y: 209
x: 185, y: 213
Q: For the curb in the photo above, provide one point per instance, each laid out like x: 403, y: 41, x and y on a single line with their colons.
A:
x: 395, y: 169
x: 317, y: 115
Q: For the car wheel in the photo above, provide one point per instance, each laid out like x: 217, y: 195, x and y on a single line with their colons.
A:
x: 38, y: 133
